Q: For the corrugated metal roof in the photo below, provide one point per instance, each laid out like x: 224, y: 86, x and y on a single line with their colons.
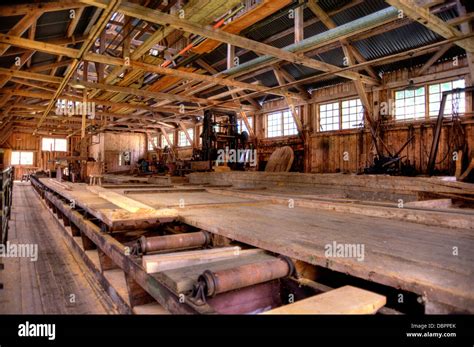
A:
x: 398, y: 40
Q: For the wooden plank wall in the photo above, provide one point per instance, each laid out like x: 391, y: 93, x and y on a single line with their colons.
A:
x: 109, y: 146
x: 325, y: 150
x: 19, y: 141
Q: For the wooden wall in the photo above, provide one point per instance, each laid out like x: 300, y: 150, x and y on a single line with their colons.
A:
x: 325, y: 152
x: 42, y: 160
x: 108, y: 147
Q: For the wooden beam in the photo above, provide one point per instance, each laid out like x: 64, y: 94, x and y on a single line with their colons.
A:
x: 17, y: 10
x: 466, y: 28
x: 201, y: 12
x: 288, y: 77
x: 20, y: 27
x: 294, y: 113
x: 132, y: 106
x: 144, y: 93
x: 103, y: 59
x: 230, y: 56
x: 348, y: 53
x: 422, y: 15
x: 96, y: 30
x: 154, y: 16
x: 435, y: 57
x: 188, y: 137
x: 299, y: 22
x: 30, y: 75
x: 461, y: 19
x: 248, y: 125
x: 49, y: 66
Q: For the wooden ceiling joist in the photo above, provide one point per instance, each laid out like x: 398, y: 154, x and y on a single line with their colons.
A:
x: 143, y: 13
x: 422, y: 15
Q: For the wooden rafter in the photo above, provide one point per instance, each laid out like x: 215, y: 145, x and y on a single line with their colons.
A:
x: 143, y: 13
x: 422, y: 15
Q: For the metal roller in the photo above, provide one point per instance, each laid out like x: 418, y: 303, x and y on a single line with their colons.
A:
x: 161, y: 243
x: 213, y: 283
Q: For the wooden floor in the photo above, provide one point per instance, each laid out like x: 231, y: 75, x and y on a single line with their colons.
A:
x: 57, y: 283
x: 398, y: 252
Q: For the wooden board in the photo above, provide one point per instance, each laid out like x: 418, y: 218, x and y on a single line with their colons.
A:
x: 344, y: 300
x: 174, y: 260
x: 109, y: 213
x: 124, y: 202
x: 44, y: 286
x: 400, y: 254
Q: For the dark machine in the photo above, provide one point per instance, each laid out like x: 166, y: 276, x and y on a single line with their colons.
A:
x: 219, y: 135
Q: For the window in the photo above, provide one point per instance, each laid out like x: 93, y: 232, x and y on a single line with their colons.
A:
x: 152, y: 142
x: 274, y: 127
x: 53, y: 145
x: 183, y: 139
x: 352, y: 114
x: 281, y: 124
x: 241, y: 127
x: 22, y: 158
x: 165, y: 143
x: 410, y: 104
x: 452, y: 106
x: 289, y: 125
x: 329, y: 116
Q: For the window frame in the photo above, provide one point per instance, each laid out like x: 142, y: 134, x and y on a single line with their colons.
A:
x: 20, y: 161
x: 186, y: 141
x: 427, y: 99
x: 54, y: 144
x: 279, y: 124
x: 152, y: 142
x: 164, y: 142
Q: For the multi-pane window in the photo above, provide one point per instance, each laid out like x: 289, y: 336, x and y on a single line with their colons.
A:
x: 410, y: 104
x: 289, y: 125
x: 183, y: 139
x: 22, y: 158
x: 241, y: 127
x: 455, y: 103
x: 274, y: 126
x: 152, y: 142
x: 329, y: 116
x: 281, y: 123
x: 352, y: 114
x: 164, y: 142
x: 53, y: 145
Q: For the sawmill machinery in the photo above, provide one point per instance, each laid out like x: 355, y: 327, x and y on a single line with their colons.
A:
x: 220, y: 133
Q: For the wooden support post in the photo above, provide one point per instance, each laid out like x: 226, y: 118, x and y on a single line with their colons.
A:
x: 74, y: 229
x: 87, y: 243
x: 299, y: 19
x: 185, y: 130
x: 136, y: 294
x: 105, y: 262
x: 230, y: 56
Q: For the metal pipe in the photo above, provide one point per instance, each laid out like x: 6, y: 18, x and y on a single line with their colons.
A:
x: 161, y: 243
x: 245, y: 275
x: 364, y: 23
